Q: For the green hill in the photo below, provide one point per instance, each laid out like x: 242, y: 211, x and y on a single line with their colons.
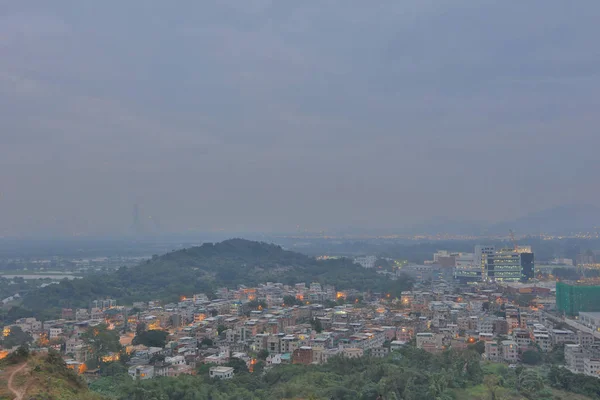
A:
x: 204, y: 269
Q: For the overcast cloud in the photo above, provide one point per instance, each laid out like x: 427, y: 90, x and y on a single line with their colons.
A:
x: 263, y: 115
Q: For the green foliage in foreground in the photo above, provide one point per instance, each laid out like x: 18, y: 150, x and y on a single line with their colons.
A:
x: 562, y: 378
x: 409, y: 374
x: 204, y: 268
x: 48, y: 377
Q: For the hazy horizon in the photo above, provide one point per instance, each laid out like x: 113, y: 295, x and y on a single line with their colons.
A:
x: 266, y: 116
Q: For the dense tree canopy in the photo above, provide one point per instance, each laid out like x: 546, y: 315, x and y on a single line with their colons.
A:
x: 101, y: 341
x: 317, y: 325
x: 291, y: 301
x: 409, y: 374
x: 564, y: 379
x: 152, y: 338
x: 531, y: 357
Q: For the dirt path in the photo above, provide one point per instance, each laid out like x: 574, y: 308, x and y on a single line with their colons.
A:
x: 18, y: 393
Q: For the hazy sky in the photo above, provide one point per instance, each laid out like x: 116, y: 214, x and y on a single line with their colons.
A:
x: 262, y: 115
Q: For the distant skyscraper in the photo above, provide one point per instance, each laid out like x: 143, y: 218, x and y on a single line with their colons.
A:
x: 586, y: 258
x: 527, y: 266
x: 136, y: 225
x: 508, y: 265
x: 157, y: 227
x: 481, y: 253
x: 466, y: 269
x: 469, y: 266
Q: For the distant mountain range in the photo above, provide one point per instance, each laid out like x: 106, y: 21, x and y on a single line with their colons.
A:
x: 557, y: 220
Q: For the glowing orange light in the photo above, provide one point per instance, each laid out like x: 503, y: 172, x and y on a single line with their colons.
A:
x: 111, y: 357
x: 154, y: 326
x: 200, y: 317
x: 43, y: 340
x: 252, y: 364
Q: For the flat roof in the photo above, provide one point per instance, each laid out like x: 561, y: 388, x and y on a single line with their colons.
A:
x: 221, y: 369
x: 591, y: 314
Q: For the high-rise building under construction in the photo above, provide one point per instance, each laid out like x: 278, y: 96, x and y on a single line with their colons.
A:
x: 571, y: 298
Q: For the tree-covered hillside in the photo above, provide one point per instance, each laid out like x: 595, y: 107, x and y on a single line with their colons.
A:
x: 407, y: 374
x: 205, y: 268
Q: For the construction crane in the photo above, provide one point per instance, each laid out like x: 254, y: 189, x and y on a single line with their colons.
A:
x: 514, y: 241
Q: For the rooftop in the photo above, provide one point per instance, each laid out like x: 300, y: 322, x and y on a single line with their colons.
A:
x: 222, y: 370
x: 591, y: 314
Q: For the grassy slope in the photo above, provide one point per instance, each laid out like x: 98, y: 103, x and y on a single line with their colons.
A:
x: 40, y: 379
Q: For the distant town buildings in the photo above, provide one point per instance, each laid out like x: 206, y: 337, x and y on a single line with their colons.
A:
x: 366, y: 261
x: 458, y: 299
x: 488, y: 264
